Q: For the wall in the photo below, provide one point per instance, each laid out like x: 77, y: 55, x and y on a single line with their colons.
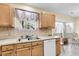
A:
x: 77, y: 25
x: 14, y: 33
x: 59, y: 17
x: 25, y: 7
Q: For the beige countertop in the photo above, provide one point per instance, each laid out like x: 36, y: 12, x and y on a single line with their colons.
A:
x: 14, y: 41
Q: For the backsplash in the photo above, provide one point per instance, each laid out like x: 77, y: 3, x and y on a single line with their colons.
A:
x: 11, y: 34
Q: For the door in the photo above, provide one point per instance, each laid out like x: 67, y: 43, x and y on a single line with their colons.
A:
x: 24, y: 52
x: 5, y: 15
x: 52, y: 21
x: 43, y: 20
x: 37, y: 50
x: 49, y: 48
x: 47, y: 20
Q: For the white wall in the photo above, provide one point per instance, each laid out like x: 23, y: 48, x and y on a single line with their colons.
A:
x: 77, y: 26
x: 59, y: 17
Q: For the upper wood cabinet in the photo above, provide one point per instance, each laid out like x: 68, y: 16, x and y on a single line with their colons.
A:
x: 47, y: 20
x: 5, y: 15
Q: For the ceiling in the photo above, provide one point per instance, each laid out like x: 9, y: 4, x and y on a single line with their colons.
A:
x: 69, y: 9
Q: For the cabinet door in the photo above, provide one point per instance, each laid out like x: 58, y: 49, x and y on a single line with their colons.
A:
x: 58, y: 47
x: 37, y: 50
x: 24, y: 52
x: 47, y: 20
x: 5, y: 15
x: 49, y: 48
x: 51, y: 21
x: 0, y: 50
x: 43, y: 20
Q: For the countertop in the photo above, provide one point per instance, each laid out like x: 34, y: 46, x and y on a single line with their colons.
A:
x: 14, y: 41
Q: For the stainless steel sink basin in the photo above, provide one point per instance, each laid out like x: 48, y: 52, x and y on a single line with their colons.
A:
x: 28, y: 38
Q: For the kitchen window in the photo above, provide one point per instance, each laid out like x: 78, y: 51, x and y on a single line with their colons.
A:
x: 64, y: 28
x: 26, y: 19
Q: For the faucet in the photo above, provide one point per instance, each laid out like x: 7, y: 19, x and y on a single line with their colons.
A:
x: 26, y: 37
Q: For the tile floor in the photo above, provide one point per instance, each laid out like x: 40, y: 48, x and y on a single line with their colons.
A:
x: 70, y: 50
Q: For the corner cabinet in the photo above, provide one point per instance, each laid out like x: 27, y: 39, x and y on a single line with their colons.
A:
x: 0, y: 50
x: 5, y: 15
x: 58, y: 47
x: 47, y: 20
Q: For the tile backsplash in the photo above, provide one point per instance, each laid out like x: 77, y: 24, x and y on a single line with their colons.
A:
x: 11, y: 34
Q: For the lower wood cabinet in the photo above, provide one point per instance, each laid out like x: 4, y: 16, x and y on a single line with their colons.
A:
x: 8, y: 47
x: 0, y: 50
x: 8, y: 53
x: 58, y: 47
x: 23, y: 49
x: 23, y: 52
x: 37, y: 50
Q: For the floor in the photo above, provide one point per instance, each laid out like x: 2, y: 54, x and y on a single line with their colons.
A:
x: 72, y: 49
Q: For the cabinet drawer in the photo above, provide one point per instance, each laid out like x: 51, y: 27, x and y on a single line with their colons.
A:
x: 7, y: 47
x: 23, y: 45
x: 24, y: 52
x: 37, y: 43
x: 8, y: 53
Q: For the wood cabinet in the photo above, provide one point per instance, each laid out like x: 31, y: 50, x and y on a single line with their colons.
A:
x: 8, y: 50
x: 23, y: 45
x: 58, y: 47
x: 24, y: 52
x: 23, y: 49
x: 9, y: 53
x: 32, y: 49
x: 5, y: 15
x: 0, y: 50
x: 7, y: 47
x: 37, y: 48
x: 37, y: 43
x: 47, y: 20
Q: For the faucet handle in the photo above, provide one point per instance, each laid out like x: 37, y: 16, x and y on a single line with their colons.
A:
x: 19, y: 39
x: 22, y: 36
